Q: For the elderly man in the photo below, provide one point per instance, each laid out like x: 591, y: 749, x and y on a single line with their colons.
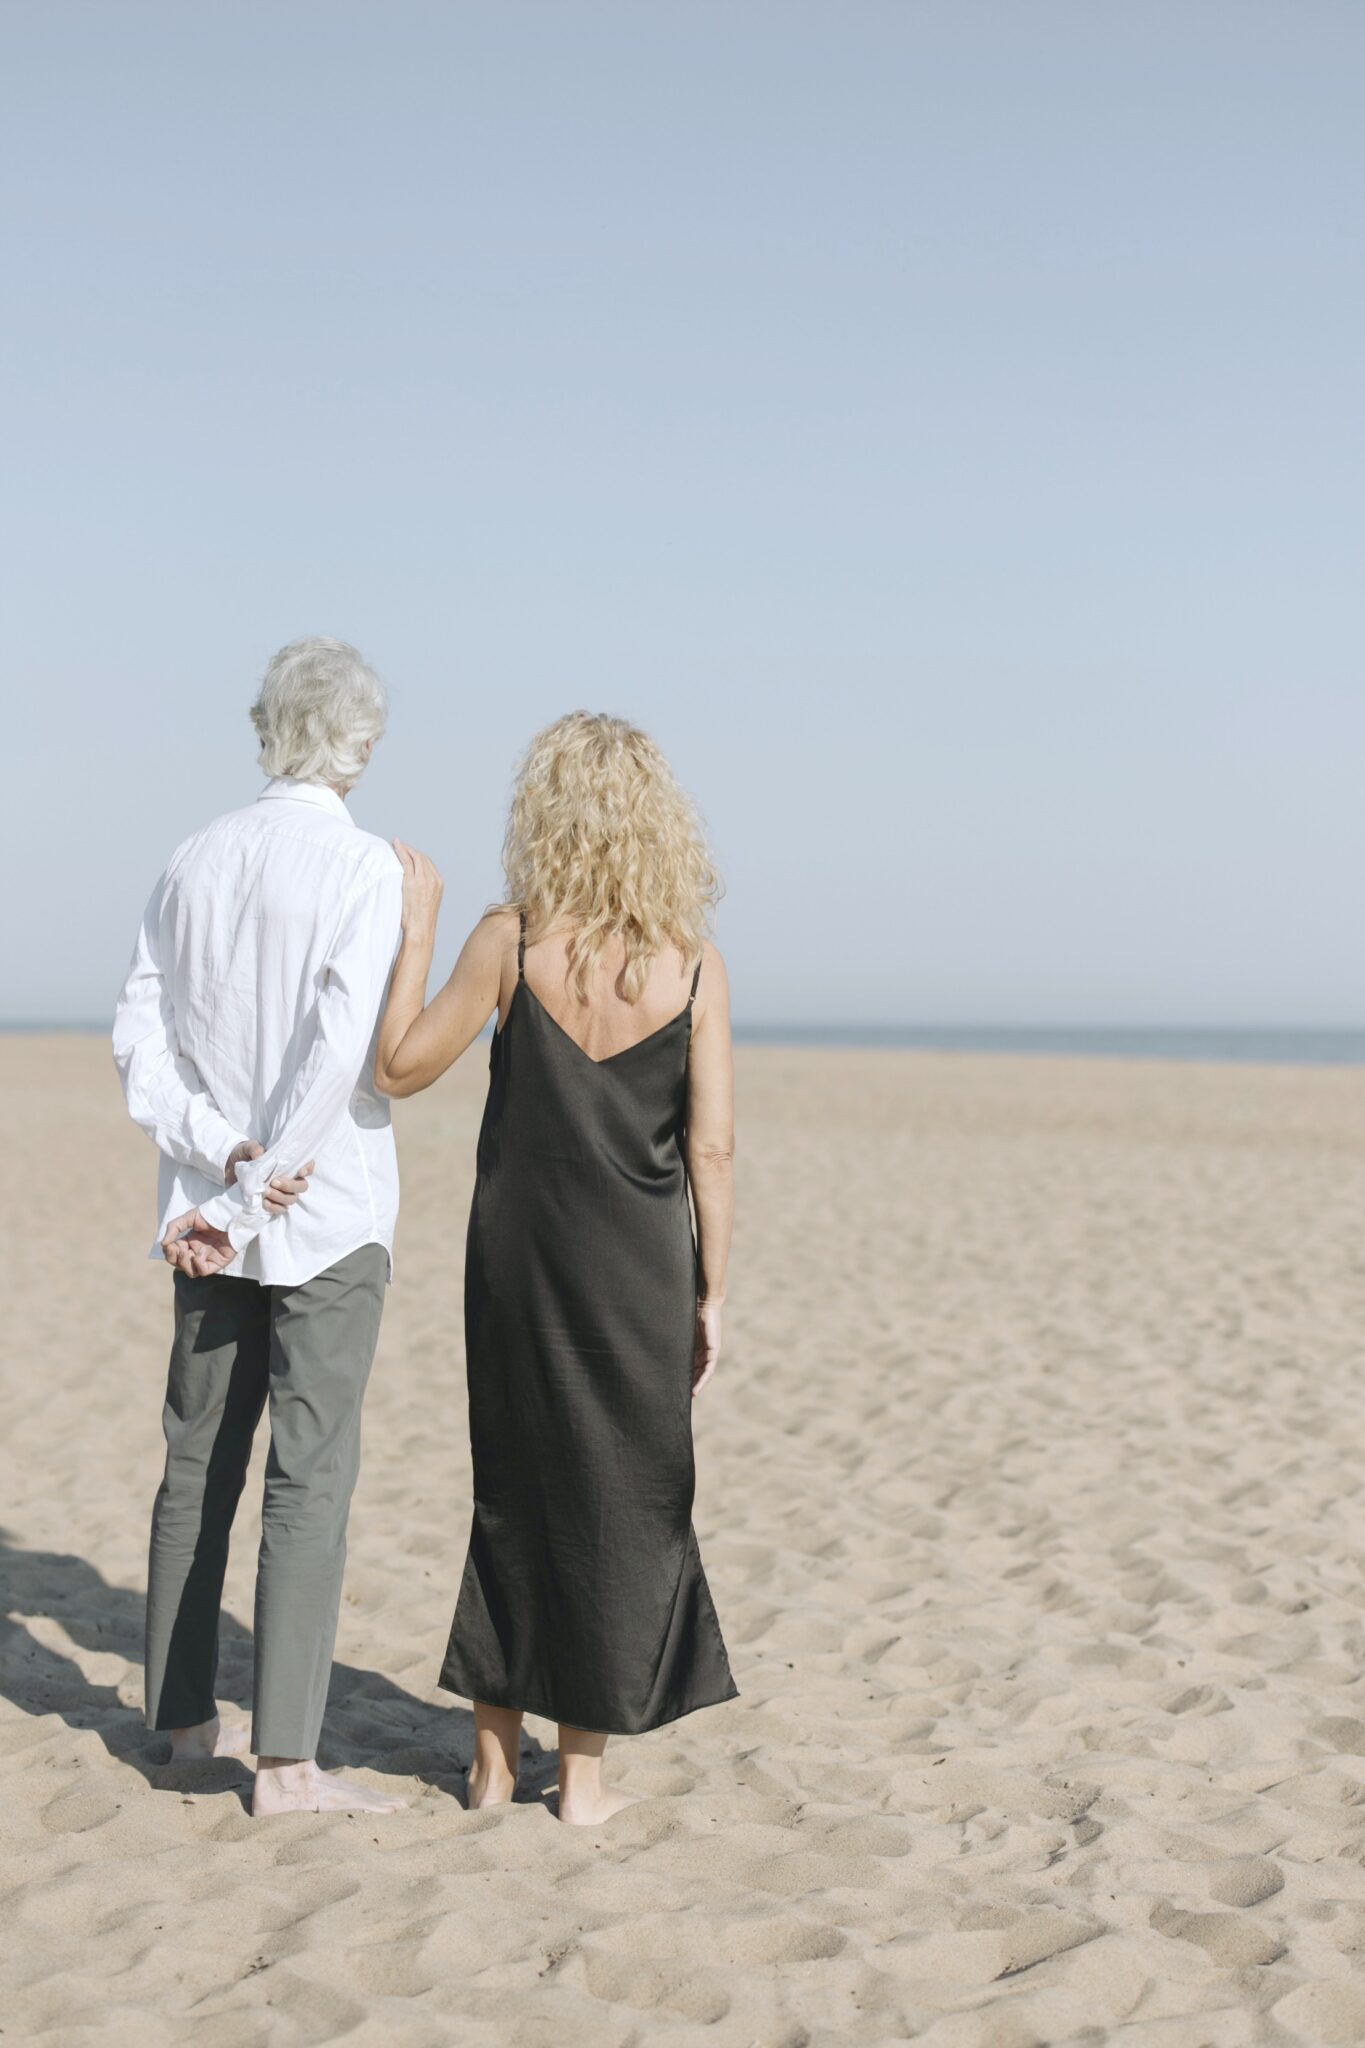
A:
x: 243, y: 1039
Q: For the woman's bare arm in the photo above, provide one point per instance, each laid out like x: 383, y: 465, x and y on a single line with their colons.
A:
x: 711, y: 1153
x: 419, y: 1040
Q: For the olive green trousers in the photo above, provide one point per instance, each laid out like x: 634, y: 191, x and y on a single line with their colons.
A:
x: 307, y: 1352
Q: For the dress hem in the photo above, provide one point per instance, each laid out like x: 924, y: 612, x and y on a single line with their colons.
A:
x: 481, y: 1699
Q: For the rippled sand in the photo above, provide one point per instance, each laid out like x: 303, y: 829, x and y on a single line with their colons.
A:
x: 1031, y: 1500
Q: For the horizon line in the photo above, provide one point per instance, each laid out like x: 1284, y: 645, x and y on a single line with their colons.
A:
x: 98, y: 1027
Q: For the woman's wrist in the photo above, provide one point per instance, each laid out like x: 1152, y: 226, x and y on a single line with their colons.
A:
x: 710, y: 1297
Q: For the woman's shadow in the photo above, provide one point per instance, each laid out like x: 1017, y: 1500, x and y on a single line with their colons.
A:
x: 371, y: 1724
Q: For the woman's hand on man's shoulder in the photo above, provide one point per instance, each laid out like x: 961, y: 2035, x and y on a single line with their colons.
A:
x: 422, y: 892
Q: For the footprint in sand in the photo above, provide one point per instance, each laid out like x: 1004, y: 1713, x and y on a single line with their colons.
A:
x: 982, y: 1955
x: 1246, y: 1882
x: 1344, y: 1736
x: 1199, y: 1699
x: 1228, y: 1939
x: 1328, y: 2013
x: 79, y: 1808
x: 870, y: 1835
x: 642, y: 1985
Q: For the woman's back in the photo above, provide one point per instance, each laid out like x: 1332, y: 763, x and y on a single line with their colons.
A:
x: 581, y: 1165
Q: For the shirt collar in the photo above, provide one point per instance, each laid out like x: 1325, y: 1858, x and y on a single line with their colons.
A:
x: 305, y: 793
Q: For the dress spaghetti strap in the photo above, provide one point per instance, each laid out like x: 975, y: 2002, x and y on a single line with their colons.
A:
x: 695, y: 979
x: 521, y: 951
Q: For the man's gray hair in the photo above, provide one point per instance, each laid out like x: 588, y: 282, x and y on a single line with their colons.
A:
x: 319, y: 709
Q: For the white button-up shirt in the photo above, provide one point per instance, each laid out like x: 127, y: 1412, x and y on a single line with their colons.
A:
x: 250, y: 1011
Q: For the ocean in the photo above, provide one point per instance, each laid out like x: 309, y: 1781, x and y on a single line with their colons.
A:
x: 1306, y: 1046
x: 1296, y: 1047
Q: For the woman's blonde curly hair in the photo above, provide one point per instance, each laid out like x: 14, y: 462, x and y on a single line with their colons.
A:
x: 601, y: 839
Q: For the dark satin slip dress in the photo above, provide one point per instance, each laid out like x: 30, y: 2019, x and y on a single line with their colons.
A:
x: 583, y: 1597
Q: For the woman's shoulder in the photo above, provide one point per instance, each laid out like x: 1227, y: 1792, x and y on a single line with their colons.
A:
x: 712, y: 980
x: 496, y: 931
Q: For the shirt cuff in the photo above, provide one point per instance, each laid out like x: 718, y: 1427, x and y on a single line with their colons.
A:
x: 230, y: 1211
x: 213, y: 1165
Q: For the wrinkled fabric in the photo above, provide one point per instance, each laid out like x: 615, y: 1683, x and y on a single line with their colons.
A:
x: 307, y: 1351
x: 250, y: 1011
x: 583, y: 1597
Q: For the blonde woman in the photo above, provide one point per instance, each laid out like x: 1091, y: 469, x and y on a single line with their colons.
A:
x: 592, y: 1314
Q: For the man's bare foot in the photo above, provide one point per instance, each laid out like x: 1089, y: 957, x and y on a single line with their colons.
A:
x: 209, y: 1739
x: 488, y: 1786
x: 285, y: 1787
x: 587, y: 1806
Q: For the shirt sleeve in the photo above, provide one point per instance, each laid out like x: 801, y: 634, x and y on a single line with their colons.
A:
x: 351, y: 988
x: 164, y: 1090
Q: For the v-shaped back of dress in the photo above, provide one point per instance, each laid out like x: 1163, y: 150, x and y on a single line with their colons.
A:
x: 524, y: 989
x: 551, y: 1102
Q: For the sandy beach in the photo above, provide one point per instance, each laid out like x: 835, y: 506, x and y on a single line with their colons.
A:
x: 1031, y: 1500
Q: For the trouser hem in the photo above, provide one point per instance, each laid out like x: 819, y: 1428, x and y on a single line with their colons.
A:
x: 282, y: 1743
x: 163, y: 1719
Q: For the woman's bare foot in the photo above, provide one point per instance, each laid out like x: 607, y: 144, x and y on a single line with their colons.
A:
x: 285, y: 1787
x: 492, y: 1776
x: 586, y: 1806
x: 488, y: 1785
x: 584, y: 1801
x: 207, y: 1740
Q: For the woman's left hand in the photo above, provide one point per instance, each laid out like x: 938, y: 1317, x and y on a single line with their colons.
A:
x: 422, y: 892
x: 706, y: 1345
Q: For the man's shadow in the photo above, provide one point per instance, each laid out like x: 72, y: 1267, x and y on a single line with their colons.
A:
x: 371, y: 1723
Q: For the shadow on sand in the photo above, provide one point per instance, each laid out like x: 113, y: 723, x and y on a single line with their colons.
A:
x: 372, y: 1724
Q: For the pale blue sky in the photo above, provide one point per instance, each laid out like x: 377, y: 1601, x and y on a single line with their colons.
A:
x: 940, y: 424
